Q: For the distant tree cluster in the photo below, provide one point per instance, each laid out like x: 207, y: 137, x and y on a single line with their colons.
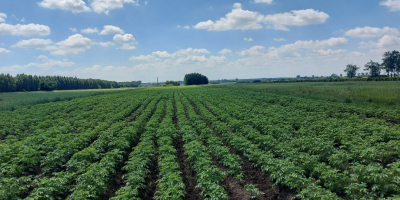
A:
x: 23, y: 82
x: 171, y: 83
x: 195, y: 79
x: 390, y: 63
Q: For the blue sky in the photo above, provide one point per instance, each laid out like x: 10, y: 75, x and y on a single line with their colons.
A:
x: 126, y: 40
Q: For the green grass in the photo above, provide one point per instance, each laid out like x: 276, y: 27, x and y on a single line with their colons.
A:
x: 376, y: 93
x: 11, y: 100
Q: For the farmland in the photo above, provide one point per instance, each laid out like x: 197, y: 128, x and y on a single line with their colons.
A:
x: 218, y: 142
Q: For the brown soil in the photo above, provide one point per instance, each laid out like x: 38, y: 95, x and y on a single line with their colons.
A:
x: 151, y: 184
x: 187, y: 175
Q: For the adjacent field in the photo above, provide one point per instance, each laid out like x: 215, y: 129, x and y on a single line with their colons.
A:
x: 224, y: 142
x: 374, y: 93
x: 11, y: 100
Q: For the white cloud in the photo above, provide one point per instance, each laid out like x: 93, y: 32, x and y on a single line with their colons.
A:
x: 248, y: 39
x: 106, y: 44
x: 3, y: 17
x: 178, y: 26
x: 74, y: 44
x: 301, y: 45
x: 279, y: 39
x: 89, y: 30
x: 44, y: 64
x: 73, y: 29
x: 253, y: 51
x: 3, y: 50
x: 109, y: 30
x: 126, y: 40
x: 23, y: 19
x: 75, y: 6
x: 35, y: 43
x: 330, y: 51
x: 225, y: 51
x: 384, y: 43
x: 263, y: 1
x: 239, y: 19
x: 127, y: 47
x: 296, y: 18
x: 29, y: 30
x: 393, y: 5
x: 186, y: 27
x: 368, y: 32
x: 181, y: 53
x: 295, y: 49
x: 104, y: 6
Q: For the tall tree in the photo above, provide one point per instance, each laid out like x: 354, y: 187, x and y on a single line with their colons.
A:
x: 374, y: 68
x: 351, y: 70
x: 195, y: 79
x: 391, y: 62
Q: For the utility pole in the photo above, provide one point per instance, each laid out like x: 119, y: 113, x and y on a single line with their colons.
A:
x: 157, y: 81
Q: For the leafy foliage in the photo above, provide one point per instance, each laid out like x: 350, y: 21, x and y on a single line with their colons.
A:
x: 195, y: 79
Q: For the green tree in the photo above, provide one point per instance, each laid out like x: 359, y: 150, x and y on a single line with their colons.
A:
x: 374, y: 68
x: 47, y: 85
x: 391, y: 62
x: 195, y: 79
x: 351, y: 70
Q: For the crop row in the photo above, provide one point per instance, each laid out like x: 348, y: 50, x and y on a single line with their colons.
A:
x: 373, y: 175
x: 141, y: 159
x: 209, y: 177
x: 169, y: 183
x: 52, y: 154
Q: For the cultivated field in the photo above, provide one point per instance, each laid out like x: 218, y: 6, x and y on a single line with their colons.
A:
x: 219, y: 142
x: 11, y: 100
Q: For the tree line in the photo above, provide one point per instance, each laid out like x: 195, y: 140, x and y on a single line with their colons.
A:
x: 390, y: 63
x: 23, y: 82
x: 195, y: 79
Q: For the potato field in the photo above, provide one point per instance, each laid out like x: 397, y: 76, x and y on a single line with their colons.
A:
x: 210, y: 142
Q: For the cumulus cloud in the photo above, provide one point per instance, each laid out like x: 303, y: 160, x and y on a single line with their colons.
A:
x: 104, y: 6
x: 29, y: 30
x: 239, y: 19
x: 329, y: 51
x: 263, y: 1
x: 109, y: 30
x: 225, y: 51
x: 369, y: 32
x: 393, y: 5
x: 126, y: 40
x: 181, y: 53
x: 3, y: 50
x: 296, y: 48
x: 35, y: 43
x: 279, y: 39
x: 73, y: 29
x: 106, y: 44
x: 89, y: 30
x: 253, y: 51
x: 45, y: 64
x: 75, y: 6
x: 73, y: 45
x: 3, y: 17
x: 386, y: 42
x: 296, y: 18
x: 302, y: 45
x: 248, y: 39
